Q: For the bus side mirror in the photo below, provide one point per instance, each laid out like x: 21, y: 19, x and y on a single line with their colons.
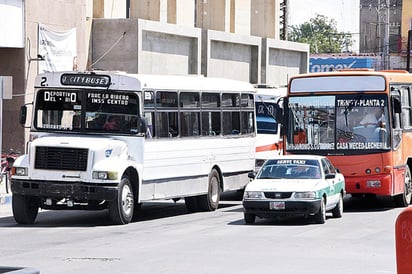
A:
x: 143, y: 125
x: 280, y: 111
x: 23, y: 115
x: 279, y: 116
x: 396, y: 104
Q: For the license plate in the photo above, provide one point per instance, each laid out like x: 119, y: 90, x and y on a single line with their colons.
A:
x: 277, y: 205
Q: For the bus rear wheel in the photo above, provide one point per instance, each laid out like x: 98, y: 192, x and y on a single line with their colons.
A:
x: 25, y: 209
x: 210, y: 201
x: 191, y: 204
x: 404, y: 199
x: 121, y: 209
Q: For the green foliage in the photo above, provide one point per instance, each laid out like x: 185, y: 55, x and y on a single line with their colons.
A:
x: 322, y: 35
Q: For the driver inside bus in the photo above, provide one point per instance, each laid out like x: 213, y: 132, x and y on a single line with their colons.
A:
x: 113, y: 123
x: 374, y: 118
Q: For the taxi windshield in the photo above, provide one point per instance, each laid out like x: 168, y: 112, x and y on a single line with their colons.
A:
x: 290, y: 169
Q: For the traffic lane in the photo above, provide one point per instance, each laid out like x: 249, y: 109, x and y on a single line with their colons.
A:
x: 167, y: 208
x: 207, y: 242
x: 152, y: 210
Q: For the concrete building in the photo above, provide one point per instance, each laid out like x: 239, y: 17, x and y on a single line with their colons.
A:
x: 387, y: 22
x: 236, y: 39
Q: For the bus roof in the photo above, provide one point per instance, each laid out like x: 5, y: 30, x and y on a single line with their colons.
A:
x: 354, y: 72
x: 347, y: 80
x: 126, y: 81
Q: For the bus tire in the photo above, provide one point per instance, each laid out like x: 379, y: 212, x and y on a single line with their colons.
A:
x: 25, y: 209
x: 404, y: 199
x: 320, y: 216
x: 210, y: 201
x: 121, y: 209
x: 191, y: 204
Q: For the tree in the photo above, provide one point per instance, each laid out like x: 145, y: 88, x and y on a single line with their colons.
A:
x: 322, y: 35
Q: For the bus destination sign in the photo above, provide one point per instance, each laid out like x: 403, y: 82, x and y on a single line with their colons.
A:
x: 92, y: 80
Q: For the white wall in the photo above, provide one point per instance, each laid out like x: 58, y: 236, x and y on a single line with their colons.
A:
x: 12, y: 23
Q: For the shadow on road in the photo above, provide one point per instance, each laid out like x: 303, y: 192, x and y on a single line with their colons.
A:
x: 368, y: 204
x: 149, y: 211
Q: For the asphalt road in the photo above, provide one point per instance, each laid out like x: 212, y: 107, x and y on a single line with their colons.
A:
x: 167, y: 239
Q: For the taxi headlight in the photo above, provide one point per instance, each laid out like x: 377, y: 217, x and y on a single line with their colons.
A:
x: 253, y: 195
x: 305, y: 195
x: 105, y: 175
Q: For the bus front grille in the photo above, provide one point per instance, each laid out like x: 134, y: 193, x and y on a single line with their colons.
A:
x: 57, y: 158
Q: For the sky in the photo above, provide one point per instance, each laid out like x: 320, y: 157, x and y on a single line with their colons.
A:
x: 345, y: 13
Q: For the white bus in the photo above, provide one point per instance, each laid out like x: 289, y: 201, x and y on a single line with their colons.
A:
x: 102, y: 140
x: 268, y: 105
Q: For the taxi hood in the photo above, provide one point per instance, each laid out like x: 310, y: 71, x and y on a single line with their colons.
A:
x: 283, y: 185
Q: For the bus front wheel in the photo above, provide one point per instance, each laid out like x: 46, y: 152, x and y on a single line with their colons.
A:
x: 404, y: 199
x: 121, y: 209
x: 25, y: 209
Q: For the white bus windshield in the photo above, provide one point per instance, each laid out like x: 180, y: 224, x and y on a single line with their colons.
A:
x: 266, y: 117
x: 355, y: 123
x: 93, y: 111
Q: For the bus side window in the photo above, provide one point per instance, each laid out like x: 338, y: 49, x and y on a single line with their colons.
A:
x: 231, y: 123
x: 190, y: 123
x: 167, y: 124
x: 211, y: 115
x: 211, y: 123
x: 150, y: 133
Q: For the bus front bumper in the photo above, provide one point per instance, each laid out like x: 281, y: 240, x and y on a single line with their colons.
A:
x: 78, y: 191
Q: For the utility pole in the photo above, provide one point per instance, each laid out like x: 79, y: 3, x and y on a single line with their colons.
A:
x: 408, y: 52
x: 386, y: 40
x: 383, y: 19
x: 284, y: 20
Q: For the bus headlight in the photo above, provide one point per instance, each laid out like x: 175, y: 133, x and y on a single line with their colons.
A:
x: 105, y: 175
x: 305, y: 195
x: 253, y: 195
x: 19, y: 171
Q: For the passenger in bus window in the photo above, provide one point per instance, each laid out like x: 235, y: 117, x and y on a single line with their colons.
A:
x: 97, y: 122
x: 113, y: 123
x: 374, y: 118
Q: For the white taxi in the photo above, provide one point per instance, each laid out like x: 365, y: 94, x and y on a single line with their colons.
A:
x: 306, y: 185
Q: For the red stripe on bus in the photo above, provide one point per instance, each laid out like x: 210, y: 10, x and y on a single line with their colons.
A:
x: 270, y: 147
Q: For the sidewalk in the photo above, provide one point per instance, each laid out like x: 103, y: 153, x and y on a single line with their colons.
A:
x: 5, y: 201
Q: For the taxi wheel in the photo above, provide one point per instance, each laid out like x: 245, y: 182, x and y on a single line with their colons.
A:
x: 337, y: 212
x: 249, y: 218
x: 320, y: 217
